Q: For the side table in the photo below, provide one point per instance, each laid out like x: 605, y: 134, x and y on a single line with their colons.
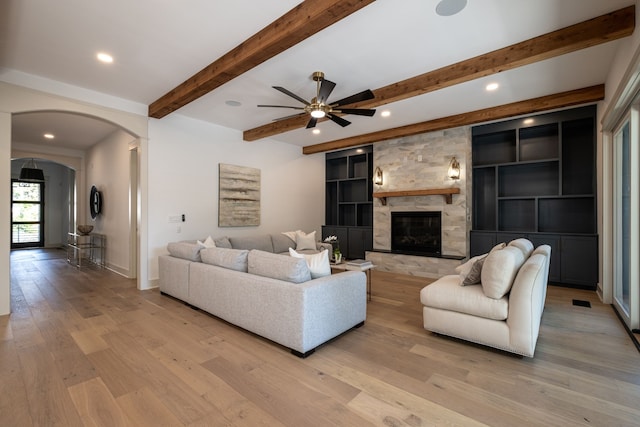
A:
x: 90, y: 247
x: 344, y: 265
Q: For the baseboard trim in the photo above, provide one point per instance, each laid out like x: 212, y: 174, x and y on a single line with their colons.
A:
x: 629, y: 331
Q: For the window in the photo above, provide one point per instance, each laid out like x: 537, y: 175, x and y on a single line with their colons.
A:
x: 27, y: 214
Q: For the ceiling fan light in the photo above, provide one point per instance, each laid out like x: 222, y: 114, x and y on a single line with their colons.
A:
x: 317, y: 114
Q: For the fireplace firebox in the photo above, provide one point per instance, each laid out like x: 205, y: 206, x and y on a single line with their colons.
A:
x: 416, y: 233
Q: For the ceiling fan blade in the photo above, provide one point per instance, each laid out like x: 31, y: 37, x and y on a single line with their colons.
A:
x: 281, y: 106
x: 356, y: 111
x: 362, y: 96
x: 312, y: 123
x: 325, y: 90
x: 291, y: 94
x: 339, y: 120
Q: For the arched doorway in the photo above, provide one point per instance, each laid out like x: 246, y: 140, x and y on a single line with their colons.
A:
x: 99, y: 153
x: 15, y: 100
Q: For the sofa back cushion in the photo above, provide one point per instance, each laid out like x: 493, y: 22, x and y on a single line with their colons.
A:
x: 499, y: 269
x: 233, y: 259
x: 185, y: 250
x: 282, y: 243
x: 262, y: 243
x: 281, y: 267
x: 524, y: 245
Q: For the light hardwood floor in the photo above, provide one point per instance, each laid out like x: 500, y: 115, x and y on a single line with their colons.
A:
x: 85, y: 348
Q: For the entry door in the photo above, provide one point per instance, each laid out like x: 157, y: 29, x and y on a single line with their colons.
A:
x: 27, y: 214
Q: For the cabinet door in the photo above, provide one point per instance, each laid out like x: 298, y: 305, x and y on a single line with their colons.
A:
x: 579, y: 261
x: 360, y: 241
x: 481, y: 242
x: 552, y: 240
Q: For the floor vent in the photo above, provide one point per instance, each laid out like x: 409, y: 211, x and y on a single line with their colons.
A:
x: 581, y: 303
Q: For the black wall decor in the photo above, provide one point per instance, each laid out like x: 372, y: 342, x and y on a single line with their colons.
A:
x: 95, y: 202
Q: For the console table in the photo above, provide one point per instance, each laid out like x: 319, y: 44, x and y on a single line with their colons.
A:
x: 88, y: 247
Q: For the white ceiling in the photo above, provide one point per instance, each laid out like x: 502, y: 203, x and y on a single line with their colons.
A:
x: 157, y: 44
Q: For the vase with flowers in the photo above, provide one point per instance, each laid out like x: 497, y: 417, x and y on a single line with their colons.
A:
x: 335, y: 246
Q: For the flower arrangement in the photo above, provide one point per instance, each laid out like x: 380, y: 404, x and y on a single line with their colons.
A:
x: 337, y: 255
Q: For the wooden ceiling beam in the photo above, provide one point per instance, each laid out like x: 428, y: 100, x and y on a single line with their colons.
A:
x: 530, y: 106
x: 304, y: 20
x: 602, y: 29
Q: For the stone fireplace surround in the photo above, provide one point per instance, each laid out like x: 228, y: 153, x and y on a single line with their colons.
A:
x: 421, y: 162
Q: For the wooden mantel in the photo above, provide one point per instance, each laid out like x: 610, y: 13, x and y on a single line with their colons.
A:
x: 446, y: 192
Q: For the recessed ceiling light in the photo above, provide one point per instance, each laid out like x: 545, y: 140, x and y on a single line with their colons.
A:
x: 385, y: 113
x: 232, y: 103
x: 104, y: 57
x: 450, y: 7
x: 492, y: 86
x: 49, y: 135
x: 316, y: 131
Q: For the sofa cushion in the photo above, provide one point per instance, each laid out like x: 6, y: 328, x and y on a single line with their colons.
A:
x: 276, y: 266
x: 282, y: 243
x: 524, y: 245
x: 305, y: 241
x: 318, y: 263
x: 499, y: 270
x: 185, y: 250
x: 234, y: 259
x: 262, y: 243
x: 446, y: 294
x: 208, y: 243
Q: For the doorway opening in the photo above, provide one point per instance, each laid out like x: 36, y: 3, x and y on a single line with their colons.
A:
x: 27, y: 214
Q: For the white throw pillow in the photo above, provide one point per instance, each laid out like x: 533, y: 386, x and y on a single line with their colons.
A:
x: 208, y: 243
x: 291, y: 234
x: 305, y: 241
x: 318, y: 263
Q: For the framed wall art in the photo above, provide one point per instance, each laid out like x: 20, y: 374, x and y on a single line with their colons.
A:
x: 238, y: 196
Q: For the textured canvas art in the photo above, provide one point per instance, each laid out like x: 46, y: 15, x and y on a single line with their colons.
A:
x: 238, y: 196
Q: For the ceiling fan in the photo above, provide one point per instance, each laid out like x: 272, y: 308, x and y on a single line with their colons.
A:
x: 319, y: 107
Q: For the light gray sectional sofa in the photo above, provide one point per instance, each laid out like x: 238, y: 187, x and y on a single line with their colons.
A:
x: 263, y: 291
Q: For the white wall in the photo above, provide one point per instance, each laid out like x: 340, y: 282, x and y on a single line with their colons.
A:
x: 183, y: 179
x: 107, y: 167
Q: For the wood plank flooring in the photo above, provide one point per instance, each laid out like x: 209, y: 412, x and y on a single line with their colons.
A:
x: 86, y: 348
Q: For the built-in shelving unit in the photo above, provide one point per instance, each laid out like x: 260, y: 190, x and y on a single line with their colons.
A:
x: 349, y: 201
x: 536, y: 178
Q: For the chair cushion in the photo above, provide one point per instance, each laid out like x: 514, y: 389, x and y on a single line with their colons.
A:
x: 446, y: 294
x: 276, y: 266
x: 233, y: 259
x: 499, y: 270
